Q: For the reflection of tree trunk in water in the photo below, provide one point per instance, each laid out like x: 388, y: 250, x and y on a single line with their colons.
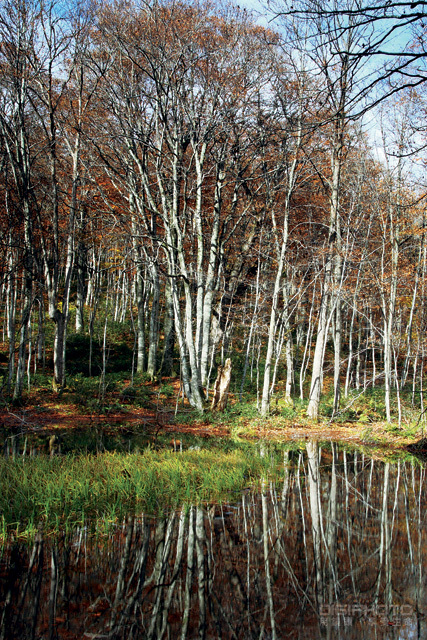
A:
x: 29, y: 593
x: 201, y: 569
x: 314, y: 484
x: 349, y: 526
x: 189, y: 576
x: 133, y: 601
x: 421, y: 492
x: 384, y: 530
x: 6, y: 621
x: 64, y: 578
x: 388, y: 539
x: 248, y: 561
x: 407, y: 517
x: 301, y: 502
x: 162, y: 561
x: 124, y: 563
x: 159, y: 540
x: 281, y: 554
x: 389, y: 565
x: 368, y: 493
x: 265, y: 531
x: 280, y: 515
x: 53, y: 592
x: 38, y: 551
x: 176, y: 568
x: 331, y: 533
x: 285, y: 489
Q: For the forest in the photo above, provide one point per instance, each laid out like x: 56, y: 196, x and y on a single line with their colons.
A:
x: 181, y: 185
x: 203, y: 204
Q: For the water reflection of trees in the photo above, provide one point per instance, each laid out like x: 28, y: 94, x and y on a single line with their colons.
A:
x: 336, y: 550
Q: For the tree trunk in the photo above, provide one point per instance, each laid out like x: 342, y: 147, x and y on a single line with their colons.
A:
x: 319, y: 351
x: 153, y: 337
x: 59, y: 349
x: 11, y: 295
x: 222, y: 383
x: 169, y: 334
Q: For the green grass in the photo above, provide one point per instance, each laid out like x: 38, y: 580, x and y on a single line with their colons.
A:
x: 62, y: 493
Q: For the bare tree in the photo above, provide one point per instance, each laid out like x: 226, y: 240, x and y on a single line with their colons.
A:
x: 397, y: 44
x: 19, y: 66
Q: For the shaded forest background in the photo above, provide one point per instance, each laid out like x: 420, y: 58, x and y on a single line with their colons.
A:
x: 180, y: 185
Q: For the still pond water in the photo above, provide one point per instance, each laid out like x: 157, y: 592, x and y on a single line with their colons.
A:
x: 335, y: 550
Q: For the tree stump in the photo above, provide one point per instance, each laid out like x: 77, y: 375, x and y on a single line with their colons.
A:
x: 220, y: 391
x: 55, y: 445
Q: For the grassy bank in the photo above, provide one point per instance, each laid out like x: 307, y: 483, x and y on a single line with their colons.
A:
x: 361, y: 420
x: 64, y: 492
x: 113, y: 457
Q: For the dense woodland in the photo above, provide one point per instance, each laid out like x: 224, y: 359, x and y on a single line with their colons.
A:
x: 186, y: 184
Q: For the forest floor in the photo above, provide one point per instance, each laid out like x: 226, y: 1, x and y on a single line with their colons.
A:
x: 44, y: 412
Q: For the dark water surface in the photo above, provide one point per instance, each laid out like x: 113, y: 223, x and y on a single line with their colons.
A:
x: 336, y: 550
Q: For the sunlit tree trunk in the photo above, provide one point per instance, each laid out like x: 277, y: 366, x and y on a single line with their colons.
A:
x: 153, y: 336
x: 11, y: 297
x: 422, y: 250
x: 282, y: 247
x: 211, y: 276
x: 167, y: 367
x: 80, y: 272
x: 319, y: 351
